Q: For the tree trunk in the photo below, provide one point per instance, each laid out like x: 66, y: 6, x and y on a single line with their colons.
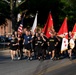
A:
x: 13, y: 18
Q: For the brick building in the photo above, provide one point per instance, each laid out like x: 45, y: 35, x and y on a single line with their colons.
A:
x: 6, y: 29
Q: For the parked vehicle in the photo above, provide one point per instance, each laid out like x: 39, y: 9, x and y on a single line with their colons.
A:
x: 4, y: 41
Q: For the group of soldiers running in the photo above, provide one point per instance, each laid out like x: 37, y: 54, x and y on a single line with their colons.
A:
x: 37, y: 45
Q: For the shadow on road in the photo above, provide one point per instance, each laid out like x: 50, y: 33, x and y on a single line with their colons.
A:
x: 3, y: 58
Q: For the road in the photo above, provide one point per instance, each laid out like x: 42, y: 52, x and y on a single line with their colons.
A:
x: 36, y: 67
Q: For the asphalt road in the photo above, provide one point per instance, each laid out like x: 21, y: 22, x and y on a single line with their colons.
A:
x: 35, y: 67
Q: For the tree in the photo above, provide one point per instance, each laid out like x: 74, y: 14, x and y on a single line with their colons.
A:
x: 4, y: 8
x: 67, y: 9
x: 59, y: 9
x: 9, y: 9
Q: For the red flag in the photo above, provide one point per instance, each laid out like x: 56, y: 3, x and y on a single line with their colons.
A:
x: 48, y: 28
x: 63, y: 32
x: 74, y: 31
x: 64, y: 29
x: 74, y: 28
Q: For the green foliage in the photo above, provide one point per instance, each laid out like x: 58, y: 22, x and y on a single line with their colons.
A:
x: 4, y: 11
x: 59, y: 9
x: 4, y: 8
x: 68, y: 10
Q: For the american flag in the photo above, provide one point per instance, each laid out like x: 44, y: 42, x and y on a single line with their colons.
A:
x: 20, y: 28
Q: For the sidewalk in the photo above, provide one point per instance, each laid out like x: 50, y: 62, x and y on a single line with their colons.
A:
x: 4, y: 52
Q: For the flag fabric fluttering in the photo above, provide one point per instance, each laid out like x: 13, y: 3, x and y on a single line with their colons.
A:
x: 48, y: 28
x: 34, y: 24
x: 20, y: 28
x: 63, y: 32
x: 74, y: 32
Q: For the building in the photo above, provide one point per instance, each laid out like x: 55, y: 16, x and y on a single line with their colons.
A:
x: 6, y: 29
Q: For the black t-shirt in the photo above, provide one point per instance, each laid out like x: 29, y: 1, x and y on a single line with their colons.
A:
x: 39, y: 42
x: 13, y: 41
x: 45, y: 43
x: 52, y: 41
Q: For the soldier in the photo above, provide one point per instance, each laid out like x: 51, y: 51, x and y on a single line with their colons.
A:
x: 52, y: 43
x: 20, y: 47
x: 44, y: 47
x: 27, y: 44
x: 34, y: 45
x: 13, y: 47
x: 38, y: 47
x: 58, y: 48
x: 72, y: 45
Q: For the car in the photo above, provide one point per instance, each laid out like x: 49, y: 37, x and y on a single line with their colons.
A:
x: 4, y: 41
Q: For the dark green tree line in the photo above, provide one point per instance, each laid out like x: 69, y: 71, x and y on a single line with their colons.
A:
x: 59, y: 10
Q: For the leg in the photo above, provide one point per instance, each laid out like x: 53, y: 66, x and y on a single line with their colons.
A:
x: 53, y: 54
x: 12, y: 55
x: 70, y: 53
